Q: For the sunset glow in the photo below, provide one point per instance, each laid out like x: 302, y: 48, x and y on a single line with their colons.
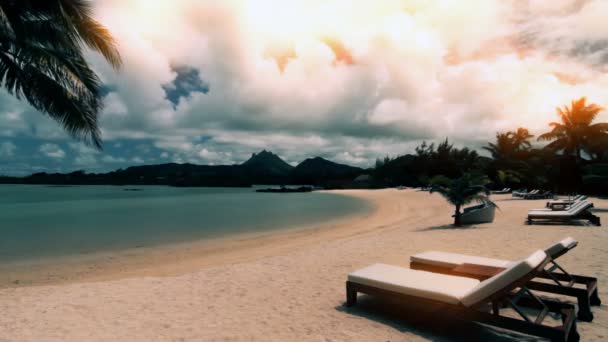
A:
x: 376, y: 76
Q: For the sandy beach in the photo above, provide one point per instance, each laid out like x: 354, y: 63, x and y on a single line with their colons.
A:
x: 288, y: 285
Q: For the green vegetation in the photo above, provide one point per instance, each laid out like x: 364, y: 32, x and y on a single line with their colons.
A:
x: 41, y: 60
x: 461, y: 191
x: 574, y: 160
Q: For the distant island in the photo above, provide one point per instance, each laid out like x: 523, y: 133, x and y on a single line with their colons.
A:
x: 262, y: 168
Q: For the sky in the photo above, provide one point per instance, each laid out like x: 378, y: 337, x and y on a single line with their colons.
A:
x: 210, y: 82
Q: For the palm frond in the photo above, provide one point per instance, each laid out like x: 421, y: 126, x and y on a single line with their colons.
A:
x: 548, y: 136
x: 41, y: 61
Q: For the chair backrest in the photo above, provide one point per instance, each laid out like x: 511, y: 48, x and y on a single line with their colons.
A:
x: 560, y: 248
x: 512, y: 277
x: 579, y: 207
x: 574, y: 206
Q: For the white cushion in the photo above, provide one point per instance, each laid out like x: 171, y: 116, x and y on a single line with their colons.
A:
x: 440, y: 287
x: 498, y: 282
x: 451, y: 260
x: 561, y: 246
x: 573, y: 210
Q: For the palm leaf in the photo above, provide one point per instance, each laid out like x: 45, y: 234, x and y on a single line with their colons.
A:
x: 41, y: 61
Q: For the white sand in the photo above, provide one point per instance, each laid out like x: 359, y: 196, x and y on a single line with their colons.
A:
x: 289, y: 286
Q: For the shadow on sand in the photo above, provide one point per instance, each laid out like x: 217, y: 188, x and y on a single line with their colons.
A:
x: 570, y: 224
x: 449, y: 227
x: 520, y: 199
x: 425, y: 322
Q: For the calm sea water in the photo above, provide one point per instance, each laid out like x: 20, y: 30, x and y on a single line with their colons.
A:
x: 42, y: 221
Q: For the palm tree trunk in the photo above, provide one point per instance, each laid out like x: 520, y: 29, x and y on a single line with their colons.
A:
x: 457, y: 216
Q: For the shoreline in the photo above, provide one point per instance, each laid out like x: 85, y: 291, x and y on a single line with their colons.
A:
x: 174, y: 259
x: 291, y: 286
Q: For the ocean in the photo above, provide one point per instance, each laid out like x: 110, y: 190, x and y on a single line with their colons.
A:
x: 46, y: 221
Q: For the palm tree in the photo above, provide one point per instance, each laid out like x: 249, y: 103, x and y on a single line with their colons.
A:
x: 598, y: 149
x: 506, y: 177
x: 41, y: 61
x: 509, y: 145
x: 461, y: 191
x: 503, y: 148
x: 521, y: 139
x: 576, y: 133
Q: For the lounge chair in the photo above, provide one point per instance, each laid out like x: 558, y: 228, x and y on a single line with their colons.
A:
x: 466, y: 298
x: 562, y: 204
x: 573, y: 207
x: 562, y: 282
x: 502, y: 192
x: 523, y: 192
x: 539, y: 195
x: 578, y: 211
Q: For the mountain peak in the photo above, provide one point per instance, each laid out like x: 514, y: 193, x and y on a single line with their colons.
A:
x: 267, y: 162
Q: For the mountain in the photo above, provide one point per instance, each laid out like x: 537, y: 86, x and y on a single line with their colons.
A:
x: 267, y: 168
x: 262, y: 168
x: 266, y: 161
x: 320, y: 171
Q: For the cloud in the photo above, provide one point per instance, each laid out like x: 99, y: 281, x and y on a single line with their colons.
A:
x: 7, y: 149
x: 112, y: 160
x: 187, y: 81
x: 52, y: 151
x: 212, y: 82
x: 137, y: 160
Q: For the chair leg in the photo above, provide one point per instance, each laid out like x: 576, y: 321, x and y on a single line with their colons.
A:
x: 351, y: 295
x: 594, y: 299
x: 584, y: 309
x: 573, y: 335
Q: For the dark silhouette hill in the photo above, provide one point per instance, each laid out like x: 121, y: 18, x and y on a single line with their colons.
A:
x: 317, y: 171
x: 262, y: 168
x: 267, y: 168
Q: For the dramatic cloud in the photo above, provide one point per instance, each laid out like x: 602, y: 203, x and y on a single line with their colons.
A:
x: 213, y: 81
x: 186, y: 82
x: 52, y: 151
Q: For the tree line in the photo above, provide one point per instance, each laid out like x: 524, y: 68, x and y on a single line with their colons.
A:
x: 575, y: 159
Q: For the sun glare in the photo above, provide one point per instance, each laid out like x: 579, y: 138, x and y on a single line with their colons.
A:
x: 149, y: 17
x: 295, y: 19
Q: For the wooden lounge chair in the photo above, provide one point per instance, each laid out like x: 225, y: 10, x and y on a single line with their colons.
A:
x: 583, y: 288
x: 563, y: 204
x: 466, y: 298
x: 578, y: 211
x: 539, y: 195
x: 502, y: 192
x: 522, y: 193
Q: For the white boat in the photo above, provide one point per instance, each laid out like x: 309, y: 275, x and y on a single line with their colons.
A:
x: 482, y: 213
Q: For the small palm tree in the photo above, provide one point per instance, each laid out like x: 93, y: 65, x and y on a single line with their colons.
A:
x: 41, y: 60
x: 461, y: 191
x: 576, y: 133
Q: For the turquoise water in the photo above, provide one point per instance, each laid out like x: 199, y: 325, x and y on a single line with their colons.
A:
x: 42, y: 221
